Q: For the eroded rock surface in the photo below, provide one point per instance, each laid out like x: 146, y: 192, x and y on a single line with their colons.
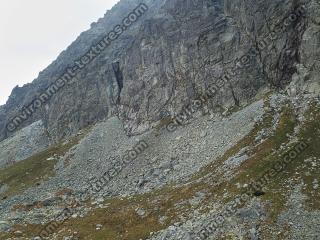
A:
x: 170, y: 56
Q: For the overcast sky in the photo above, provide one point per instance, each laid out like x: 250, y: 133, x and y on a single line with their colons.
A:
x: 34, y: 32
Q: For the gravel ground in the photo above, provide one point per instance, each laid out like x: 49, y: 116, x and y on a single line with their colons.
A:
x: 303, y: 222
x: 170, y: 157
x: 31, y: 140
x: 247, y: 220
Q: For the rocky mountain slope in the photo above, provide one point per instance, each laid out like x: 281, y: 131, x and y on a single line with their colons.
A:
x: 200, y: 121
x: 171, y: 55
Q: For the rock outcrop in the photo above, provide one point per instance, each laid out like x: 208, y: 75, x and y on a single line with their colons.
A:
x: 170, y: 56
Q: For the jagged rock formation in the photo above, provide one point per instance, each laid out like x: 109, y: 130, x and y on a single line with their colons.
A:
x: 171, y: 55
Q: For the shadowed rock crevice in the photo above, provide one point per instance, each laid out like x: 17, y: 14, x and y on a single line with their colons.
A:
x: 289, y: 56
x: 119, y: 78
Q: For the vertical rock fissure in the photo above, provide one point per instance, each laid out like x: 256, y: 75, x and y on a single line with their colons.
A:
x: 289, y: 55
x: 119, y: 78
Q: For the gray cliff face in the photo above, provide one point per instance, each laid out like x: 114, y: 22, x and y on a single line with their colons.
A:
x: 170, y: 56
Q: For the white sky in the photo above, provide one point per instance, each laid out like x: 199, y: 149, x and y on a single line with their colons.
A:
x: 34, y: 32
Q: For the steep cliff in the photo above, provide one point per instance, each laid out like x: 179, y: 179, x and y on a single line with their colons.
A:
x: 171, y: 55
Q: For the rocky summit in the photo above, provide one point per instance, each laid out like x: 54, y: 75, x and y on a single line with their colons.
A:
x: 170, y: 120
